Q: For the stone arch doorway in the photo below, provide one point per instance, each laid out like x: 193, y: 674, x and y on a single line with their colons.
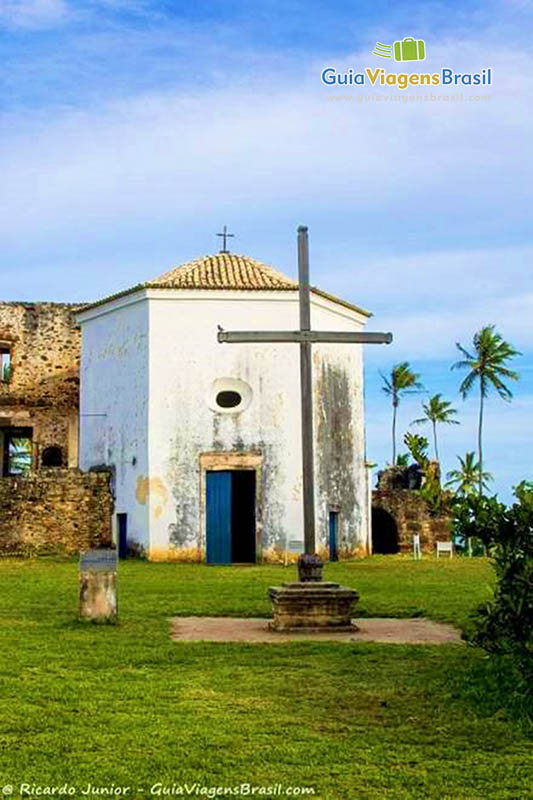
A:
x: 52, y: 457
x: 385, y: 540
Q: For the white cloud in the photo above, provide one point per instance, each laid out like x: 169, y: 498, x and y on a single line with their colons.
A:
x: 432, y: 333
x: 32, y: 13
x: 416, y: 276
x: 276, y: 149
x: 277, y: 145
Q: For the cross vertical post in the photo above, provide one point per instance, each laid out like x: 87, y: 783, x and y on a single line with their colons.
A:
x: 306, y: 395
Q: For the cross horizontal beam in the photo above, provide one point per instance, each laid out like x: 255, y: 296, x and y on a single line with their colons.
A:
x: 309, y: 337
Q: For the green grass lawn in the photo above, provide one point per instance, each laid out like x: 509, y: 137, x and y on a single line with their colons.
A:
x: 124, y: 705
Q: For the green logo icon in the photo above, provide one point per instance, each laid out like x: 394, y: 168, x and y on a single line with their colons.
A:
x: 410, y: 50
x: 382, y: 50
x: 407, y: 49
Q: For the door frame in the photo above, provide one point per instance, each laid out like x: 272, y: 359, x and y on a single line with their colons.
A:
x: 224, y: 461
x: 122, y: 535
x: 333, y: 533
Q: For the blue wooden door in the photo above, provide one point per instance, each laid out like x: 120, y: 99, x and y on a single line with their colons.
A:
x: 333, y: 535
x: 218, y: 523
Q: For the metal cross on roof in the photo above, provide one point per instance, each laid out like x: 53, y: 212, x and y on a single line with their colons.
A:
x: 305, y: 336
x: 225, y: 235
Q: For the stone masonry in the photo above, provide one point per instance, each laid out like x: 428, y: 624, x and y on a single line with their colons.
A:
x: 56, y: 511
x: 42, y: 391
x: 411, y: 514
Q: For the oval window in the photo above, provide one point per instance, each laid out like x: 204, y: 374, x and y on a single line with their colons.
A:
x: 229, y: 396
x: 228, y: 399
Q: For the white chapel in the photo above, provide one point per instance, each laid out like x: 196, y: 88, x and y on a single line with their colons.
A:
x: 203, y: 438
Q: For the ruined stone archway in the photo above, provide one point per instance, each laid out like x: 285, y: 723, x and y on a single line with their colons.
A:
x: 385, y: 538
x: 52, y: 457
x: 411, y: 515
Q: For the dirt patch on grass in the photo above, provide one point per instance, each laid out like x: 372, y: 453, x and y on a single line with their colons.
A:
x: 379, y: 629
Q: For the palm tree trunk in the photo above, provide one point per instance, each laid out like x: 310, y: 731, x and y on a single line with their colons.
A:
x: 480, y: 437
x: 394, y: 407
x: 435, y: 440
x: 480, y: 443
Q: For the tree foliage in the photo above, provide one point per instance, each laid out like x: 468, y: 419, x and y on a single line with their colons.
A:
x: 402, y: 380
x: 431, y: 490
x: 504, y: 625
x: 487, y: 366
x: 418, y: 447
x: 402, y: 460
x: 437, y: 411
x: 465, y: 480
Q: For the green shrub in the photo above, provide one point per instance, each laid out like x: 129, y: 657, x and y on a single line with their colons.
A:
x: 504, y: 625
x: 464, y: 509
x: 437, y: 499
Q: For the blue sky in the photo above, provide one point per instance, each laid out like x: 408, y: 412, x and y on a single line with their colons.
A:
x: 132, y: 131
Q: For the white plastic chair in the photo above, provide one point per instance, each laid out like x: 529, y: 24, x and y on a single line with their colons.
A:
x: 445, y: 547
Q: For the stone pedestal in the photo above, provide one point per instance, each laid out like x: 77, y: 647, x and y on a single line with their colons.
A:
x: 312, y: 606
x: 98, y: 586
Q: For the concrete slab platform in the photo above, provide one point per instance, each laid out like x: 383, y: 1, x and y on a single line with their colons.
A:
x: 378, y: 629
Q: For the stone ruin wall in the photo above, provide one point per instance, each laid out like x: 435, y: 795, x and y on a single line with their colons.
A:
x: 397, y: 495
x: 55, y: 511
x: 411, y: 515
x: 43, y: 390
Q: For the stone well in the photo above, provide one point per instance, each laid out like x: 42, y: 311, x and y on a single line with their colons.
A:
x: 312, y: 604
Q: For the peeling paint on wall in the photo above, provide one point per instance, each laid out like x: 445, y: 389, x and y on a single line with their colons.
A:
x: 183, y: 476
x: 276, y: 531
x: 335, y: 457
x: 152, y: 489
x: 180, y: 555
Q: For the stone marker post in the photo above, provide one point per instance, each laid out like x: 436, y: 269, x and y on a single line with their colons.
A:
x: 98, y: 586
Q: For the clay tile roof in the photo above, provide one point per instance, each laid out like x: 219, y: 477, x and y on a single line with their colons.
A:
x: 223, y: 271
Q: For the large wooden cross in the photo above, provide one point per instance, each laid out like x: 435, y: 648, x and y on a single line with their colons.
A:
x: 306, y: 337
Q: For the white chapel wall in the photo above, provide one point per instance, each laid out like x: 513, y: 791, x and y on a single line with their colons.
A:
x: 185, y: 361
x: 114, y: 405
x: 148, y: 370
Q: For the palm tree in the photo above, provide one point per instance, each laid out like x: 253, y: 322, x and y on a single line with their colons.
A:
x: 402, y: 380
x: 467, y: 477
x: 488, y: 365
x: 435, y: 411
